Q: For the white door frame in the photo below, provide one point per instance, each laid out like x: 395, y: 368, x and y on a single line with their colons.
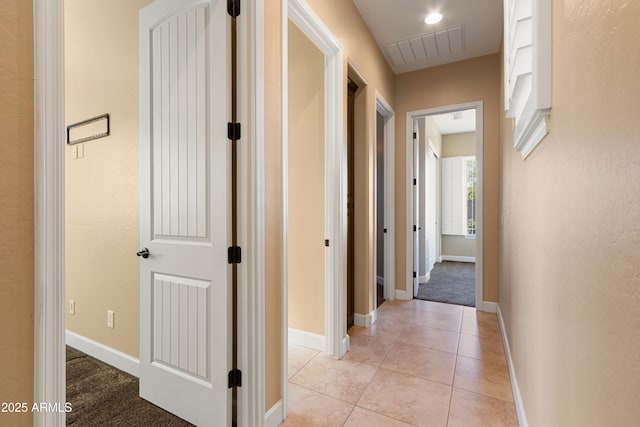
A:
x: 411, y: 116
x: 49, y: 256
x: 336, y: 338
x: 389, y: 286
x: 303, y: 17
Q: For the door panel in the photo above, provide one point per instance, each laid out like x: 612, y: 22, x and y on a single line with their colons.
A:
x: 432, y: 209
x: 185, y: 283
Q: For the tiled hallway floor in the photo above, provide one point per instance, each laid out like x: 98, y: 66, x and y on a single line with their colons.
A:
x: 421, y: 364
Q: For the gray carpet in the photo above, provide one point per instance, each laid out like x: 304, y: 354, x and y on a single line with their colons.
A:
x: 101, y: 395
x: 451, y: 282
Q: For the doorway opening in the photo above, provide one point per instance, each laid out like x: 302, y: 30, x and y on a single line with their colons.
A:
x: 352, y: 88
x: 445, y: 204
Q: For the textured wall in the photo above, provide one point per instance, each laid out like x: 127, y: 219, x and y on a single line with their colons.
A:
x: 101, y: 200
x: 16, y: 207
x: 475, y: 79
x: 570, y: 240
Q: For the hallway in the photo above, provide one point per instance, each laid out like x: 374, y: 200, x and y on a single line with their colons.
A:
x: 422, y: 363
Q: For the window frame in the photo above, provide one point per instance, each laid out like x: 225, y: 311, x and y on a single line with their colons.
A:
x: 531, y: 124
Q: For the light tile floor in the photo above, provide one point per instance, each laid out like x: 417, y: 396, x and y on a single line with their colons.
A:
x: 422, y: 363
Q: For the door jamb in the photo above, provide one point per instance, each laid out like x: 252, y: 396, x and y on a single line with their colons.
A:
x: 383, y: 107
x: 49, y: 256
x: 303, y: 17
x: 411, y: 115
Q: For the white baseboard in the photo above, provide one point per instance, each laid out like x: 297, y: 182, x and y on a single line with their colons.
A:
x: 380, y: 280
x: 439, y: 259
x: 274, y: 416
x: 307, y: 339
x: 489, y: 307
x: 106, y: 354
x: 364, y: 320
x: 522, y: 416
x: 406, y: 294
x: 458, y: 258
x: 425, y: 278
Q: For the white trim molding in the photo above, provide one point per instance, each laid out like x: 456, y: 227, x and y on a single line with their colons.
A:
x: 49, y: 322
x: 517, y: 397
x: 527, y: 70
x: 383, y: 107
x: 405, y: 294
x: 457, y: 258
x: 365, y: 320
x: 274, y: 416
x: 307, y: 339
x: 104, y: 353
x: 251, y: 208
x: 335, y: 174
x: 489, y: 307
x: 411, y: 116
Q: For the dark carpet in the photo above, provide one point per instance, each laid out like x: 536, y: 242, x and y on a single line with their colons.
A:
x: 451, y: 282
x: 101, y: 395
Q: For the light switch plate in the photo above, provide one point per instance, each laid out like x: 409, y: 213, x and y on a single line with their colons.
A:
x: 110, y: 315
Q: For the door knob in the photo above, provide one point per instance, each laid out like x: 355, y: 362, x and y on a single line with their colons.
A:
x: 143, y: 253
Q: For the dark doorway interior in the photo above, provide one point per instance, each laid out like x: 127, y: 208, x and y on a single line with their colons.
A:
x: 381, y: 230
x: 352, y: 88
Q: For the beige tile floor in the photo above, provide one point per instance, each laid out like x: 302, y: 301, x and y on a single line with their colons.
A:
x: 420, y: 364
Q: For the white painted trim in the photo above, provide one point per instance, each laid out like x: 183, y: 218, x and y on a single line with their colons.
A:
x: 104, y: 353
x: 274, y: 416
x: 405, y: 294
x: 489, y: 306
x: 365, y: 320
x: 439, y: 259
x: 335, y: 174
x: 384, y: 108
x: 379, y: 280
x: 425, y: 278
x: 49, y: 256
x: 307, y: 339
x: 517, y: 397
x: 284, y: 123
x: 457, y: 258
x: 411, y: 115
x: 49, y: 321
x: 251, y: 208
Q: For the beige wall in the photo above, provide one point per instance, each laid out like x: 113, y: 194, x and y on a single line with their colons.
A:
x: 305, y: 199
x: 454, y: 145
x: 16, y: 208
x: 459, y: 144
x: 475, y: 79
x: 101, y: 205
x: 570, y: 240
x: 273, y: 200
x: 360, y: 48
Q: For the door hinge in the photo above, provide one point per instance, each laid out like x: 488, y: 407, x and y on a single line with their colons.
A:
x: 233, y: 8
x: 415, y: 182
x: 235, y: 378
x: 233, y: 131
x: 414, y: 228
x: 326, y: 242
x: 415, y: 135
x: 234, y: 255
x: 384, y: 231
x: 414, y: 275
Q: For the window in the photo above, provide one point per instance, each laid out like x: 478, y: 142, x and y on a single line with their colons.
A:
x: 527, y: 70
x: 459, y: 196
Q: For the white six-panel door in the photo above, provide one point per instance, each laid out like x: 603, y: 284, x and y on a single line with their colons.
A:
x: 184, y: 217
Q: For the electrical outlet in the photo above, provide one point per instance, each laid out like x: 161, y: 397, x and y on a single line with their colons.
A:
x: 110, y: 315
x: 72, y: 306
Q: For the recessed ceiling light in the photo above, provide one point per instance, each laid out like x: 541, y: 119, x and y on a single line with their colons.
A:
x: 433, y: 18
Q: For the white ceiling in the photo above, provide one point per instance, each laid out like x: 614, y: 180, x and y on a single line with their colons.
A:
x: 469, y: 28
x: 465, y: 122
